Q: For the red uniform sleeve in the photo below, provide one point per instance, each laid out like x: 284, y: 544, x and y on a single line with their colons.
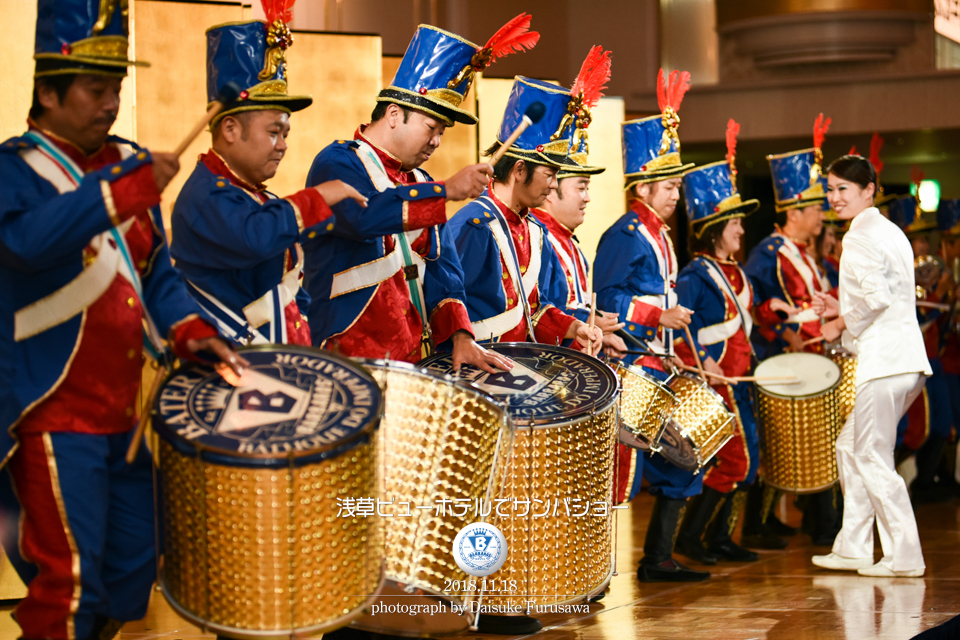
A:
x: 310, y: 207
x: 190, y: 328
x: 447, y: 318
x: 551, y: 324
x: 132, y: 194
x: 425, y: 212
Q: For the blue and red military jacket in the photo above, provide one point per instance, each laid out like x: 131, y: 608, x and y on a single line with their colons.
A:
x: 571, y: 289
x: 71, y: 327
x: 781, y: 268
x: 503, y: 253
x: 707, y: 286
x: 634, y: 274
x: 236, y: 244
x: 361, y: 302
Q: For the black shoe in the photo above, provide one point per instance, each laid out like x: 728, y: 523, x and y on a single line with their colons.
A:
x: 597, y: 598
x: 730, y: 550
x: 763, y: 539
x: 779, y: 528
x: 507, y: 625
x: 669, y: 571
x: 931, y: 493
x: 693, y: 548
x: 823, y: 539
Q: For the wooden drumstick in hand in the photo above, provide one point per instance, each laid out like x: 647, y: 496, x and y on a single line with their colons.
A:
x: 592, y: 320
x: 229, y: 93
x: 532, y: 115
x: 807, y: 343
x: 693, y: 349
x: 134, y: 447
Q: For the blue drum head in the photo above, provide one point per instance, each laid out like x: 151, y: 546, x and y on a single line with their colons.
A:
x: 547, y: 385
x: 291, y: 403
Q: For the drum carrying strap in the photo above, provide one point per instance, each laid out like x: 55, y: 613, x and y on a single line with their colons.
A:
x: 413, y: 264
x: 57, y: 168
x: 720, y: 278
x: 498, y: 226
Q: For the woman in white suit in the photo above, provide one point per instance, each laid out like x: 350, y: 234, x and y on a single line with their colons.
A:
x: 876, y: 317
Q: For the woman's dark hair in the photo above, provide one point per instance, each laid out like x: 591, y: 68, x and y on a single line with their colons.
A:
x: 856, y: 169
x: 706, y: 243
x: 505, y: 165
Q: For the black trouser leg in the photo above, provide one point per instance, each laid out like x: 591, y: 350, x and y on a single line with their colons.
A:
x: 700, y: 511
x: 756, y: 533
x: 719, y: 539
x: 658, y: 564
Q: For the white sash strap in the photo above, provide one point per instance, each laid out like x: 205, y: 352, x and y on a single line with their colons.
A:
x: 261, y: 311
x: 741, y: 301
x: 719, y: 332
x: 578, y: 297
x: 532, y: 276
x: 374, y: 272
x: 497, y: 325
x: 238, y: 330
x: 85, y: 289
x: 519, y: 283
x: 791, y: 252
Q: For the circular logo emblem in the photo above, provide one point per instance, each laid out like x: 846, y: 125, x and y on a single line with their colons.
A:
x: 546, y: 383
x: 480, y: 549
x: 289, y: 401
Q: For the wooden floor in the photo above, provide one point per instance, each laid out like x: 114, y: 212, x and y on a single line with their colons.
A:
x: 780, y: 597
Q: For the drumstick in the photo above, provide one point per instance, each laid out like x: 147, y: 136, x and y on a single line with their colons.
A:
x: 807, y: 343
x: 229, y: 93
x: 933, y: 305
x: 703, y: 373
x: 693, y: 348
x: 134, y: 447
x: 776, y: 379
x: 532, y: 115
x: 592, y: 322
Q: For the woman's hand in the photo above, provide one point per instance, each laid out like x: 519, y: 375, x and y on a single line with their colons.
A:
x: 831, y: 331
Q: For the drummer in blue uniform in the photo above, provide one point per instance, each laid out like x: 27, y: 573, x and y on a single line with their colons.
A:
x: 234, y: 241
x: 84, y: 266
x: 635, y: 274
x: 715, y: 287
x: 503, y: 249
x: 385, y: 280
x: 564, y: 208
x: 785, y: 276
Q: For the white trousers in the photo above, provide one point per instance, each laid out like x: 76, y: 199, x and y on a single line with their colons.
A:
x: 872, y: 489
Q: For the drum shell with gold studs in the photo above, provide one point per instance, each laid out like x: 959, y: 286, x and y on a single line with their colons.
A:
x: 645, y: 405
x: 444, y: 448
x: 564, y: 408
x: 253, y: 542
x: 799, y: 422
x: 847, y: 391
x: 699, y: 425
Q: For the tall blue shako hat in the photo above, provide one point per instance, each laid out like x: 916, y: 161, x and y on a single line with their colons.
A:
x: 82, y: 36
x: 439, y: 67
x: 253, y: 55
x: 711, y: 190
x: 905, y: 211
x: 797, y: 176
x: 948, y: 217
x: 651, y: 146
x: 585, y: 94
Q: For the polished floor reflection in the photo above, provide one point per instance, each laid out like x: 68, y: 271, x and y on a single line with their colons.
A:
x: 780, y: 597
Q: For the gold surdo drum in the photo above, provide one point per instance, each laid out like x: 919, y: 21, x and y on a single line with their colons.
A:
x: 253, y: 484
x: 799, y: 422
x: 645, y: 405
x: 444, y: 448
x: 847, y: 391
x: 554, y: 504
x: 698, y: 427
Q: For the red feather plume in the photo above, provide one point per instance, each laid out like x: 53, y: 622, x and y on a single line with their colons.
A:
x: 853, y: 151
x: 513, y: 37
x: 670, y: 91
x: 278, y: 10
x: 733, y: 130
x: 593, y: 76
x: 820, y: 128
x: 876, y: 143
x: 916, y: 177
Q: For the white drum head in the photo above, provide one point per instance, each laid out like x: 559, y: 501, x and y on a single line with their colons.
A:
x: 816, y: 374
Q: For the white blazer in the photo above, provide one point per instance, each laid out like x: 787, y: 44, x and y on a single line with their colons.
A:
x: 878, y: 299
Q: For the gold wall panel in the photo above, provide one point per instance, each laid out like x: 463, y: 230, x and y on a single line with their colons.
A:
x: 606, y: 189
x: 733, y: 10
x: 16, y: 66
x: 459, y: 146
x: 171, y: 94
x: 343, y: 74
